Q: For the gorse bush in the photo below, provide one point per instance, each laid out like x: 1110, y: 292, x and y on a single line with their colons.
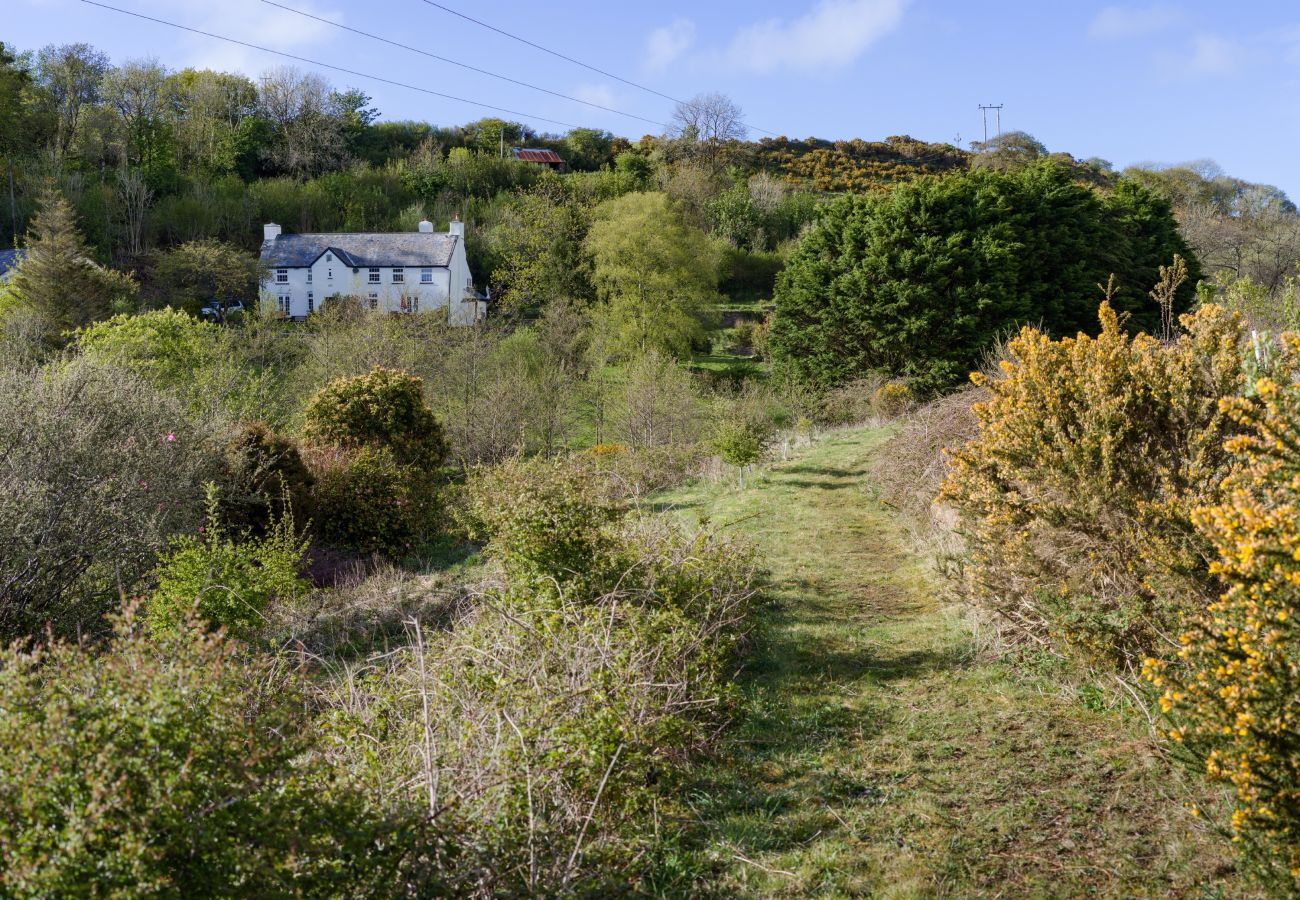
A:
x: 266, y: 479
x: 384, y: 409
x: 1233, y: 690
x: 227, y: 580
x: 97, y: 471
x: 1076, y: 496
x: 365, y: 500
x: 174, y: 765
x: 545, y: 521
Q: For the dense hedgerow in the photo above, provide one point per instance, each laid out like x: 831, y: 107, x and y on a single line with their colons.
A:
x: 1233, y: 690
x: 178, y: 765
x: 1076, y: 495
x: 545, y: 521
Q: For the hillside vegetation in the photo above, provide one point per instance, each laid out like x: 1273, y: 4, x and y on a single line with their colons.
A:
x: 806, y: 517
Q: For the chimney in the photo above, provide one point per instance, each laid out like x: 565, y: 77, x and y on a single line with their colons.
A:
x: 426, y: 227
x: 270, y: 231
x: 456, y: 227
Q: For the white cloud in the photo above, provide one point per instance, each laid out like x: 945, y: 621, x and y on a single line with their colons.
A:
x: 666, y: 45
x: 833, y: 34
x: 1213, y: 55
x: 247, y: 20
x: 1118, y: 22
x: 598, y: 94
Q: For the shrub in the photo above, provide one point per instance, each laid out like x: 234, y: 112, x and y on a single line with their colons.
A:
x: 545, y: 522
x: 1076, y: 496
x: 99, y: 471
x: 1232, y: 692
x: 266, y: 480
x: 557, y: 727
x: 384, y: 409
x: 892, y: 399
x: 740, y: 442
x: 366, y: 501
x: 919, y: 281
x: 175, y: 766
x: 227, y: 580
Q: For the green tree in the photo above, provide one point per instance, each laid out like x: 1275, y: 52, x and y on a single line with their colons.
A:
x: 57, y: 285
x: 657, y: 277
x: 199, y: 271
x: 71, y: 75
x: 536, y: 243
x: 919, y: 282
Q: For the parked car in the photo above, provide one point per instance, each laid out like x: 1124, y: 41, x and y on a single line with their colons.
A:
x: 213, y: 309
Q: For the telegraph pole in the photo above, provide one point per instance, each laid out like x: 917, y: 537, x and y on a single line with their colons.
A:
x: 984, y: 108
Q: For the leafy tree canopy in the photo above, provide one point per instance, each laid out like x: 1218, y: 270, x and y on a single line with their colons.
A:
x: 920, y: 282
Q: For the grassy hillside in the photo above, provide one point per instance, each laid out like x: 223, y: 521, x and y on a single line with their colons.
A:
x: 879, y: 750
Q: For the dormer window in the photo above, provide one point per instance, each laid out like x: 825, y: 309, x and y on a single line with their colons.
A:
x: 374, y: 275
x: 281, y: 276
x: 426, y: 276
x: 399, y: 274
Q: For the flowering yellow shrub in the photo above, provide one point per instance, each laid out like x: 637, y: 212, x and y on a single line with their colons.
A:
x: 1233, y: 692
x: 1075, y: 497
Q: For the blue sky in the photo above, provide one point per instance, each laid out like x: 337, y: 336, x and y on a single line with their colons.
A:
x: 1130, y: 82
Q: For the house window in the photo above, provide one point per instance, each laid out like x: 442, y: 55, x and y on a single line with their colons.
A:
x: 284, y: 304
x: 415, y: 304
x: 329, y: 273
x: 426, y: 276
x: 328, y: 258
x: 311, y: 304
x: 374, y: 275
x: 281, y: 276
x: 374, y: 298
x: 399, y: 275
x: 309, y: 276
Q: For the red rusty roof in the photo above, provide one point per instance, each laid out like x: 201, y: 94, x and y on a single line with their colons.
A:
x: 539, y: 156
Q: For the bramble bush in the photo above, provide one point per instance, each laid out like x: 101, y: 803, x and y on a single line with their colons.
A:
x: 1075, y: 497
x: 1233, y: 690
x: 558, y: 726
x: 170, y: 765
x: 227, y: 580
x: 382, y: 409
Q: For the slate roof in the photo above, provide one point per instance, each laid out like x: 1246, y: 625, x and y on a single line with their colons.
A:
x: 550, y: 157
x: 361, y: 250
x: 9, y: 259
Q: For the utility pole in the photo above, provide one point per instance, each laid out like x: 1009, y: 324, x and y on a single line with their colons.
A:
x: 984, y: 108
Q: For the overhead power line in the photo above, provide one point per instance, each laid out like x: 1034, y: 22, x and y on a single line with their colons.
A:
x: 325, y: 65
x: 463, y: 65
x: 576, y: 62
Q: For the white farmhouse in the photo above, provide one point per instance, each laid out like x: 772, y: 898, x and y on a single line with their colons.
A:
x: 405, y: 272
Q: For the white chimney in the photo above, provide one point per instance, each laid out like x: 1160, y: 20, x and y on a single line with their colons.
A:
x: 456, y: 227
x: 270, y: 231
x: 426, y: 227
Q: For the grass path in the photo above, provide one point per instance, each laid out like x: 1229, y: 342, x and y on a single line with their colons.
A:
x: 878, y: 754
